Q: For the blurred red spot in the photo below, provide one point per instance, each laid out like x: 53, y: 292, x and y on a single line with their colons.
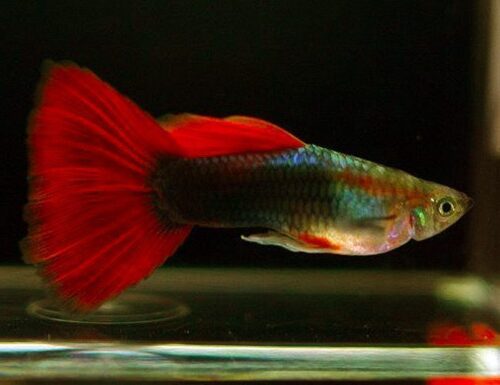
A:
x: 464, y: 381
x: 479, y: 333
x: 482, y: 332
x: 447, y: 333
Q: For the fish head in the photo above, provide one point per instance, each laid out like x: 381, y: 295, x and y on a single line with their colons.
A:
x: 441, y: 208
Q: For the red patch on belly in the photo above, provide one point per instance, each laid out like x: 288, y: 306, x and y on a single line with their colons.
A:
x: 319, y: 242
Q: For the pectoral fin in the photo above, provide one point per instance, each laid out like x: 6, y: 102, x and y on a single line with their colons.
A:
x: 305, y: 243
x: 376, y: 224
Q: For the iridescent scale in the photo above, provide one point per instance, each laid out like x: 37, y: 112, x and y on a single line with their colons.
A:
x: 294, y: 191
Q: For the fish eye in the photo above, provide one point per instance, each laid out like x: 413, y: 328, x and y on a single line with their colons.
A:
x: 446, y: 206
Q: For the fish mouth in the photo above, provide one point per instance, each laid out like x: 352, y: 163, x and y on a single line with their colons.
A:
x: 467, y: 203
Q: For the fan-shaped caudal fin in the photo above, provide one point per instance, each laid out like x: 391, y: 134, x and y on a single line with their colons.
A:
x: 93, y: 228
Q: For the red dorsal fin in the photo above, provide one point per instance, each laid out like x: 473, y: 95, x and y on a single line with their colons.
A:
x: 201, y: 136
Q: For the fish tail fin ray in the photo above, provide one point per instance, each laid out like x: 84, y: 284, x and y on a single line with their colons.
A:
x: 93, y: 229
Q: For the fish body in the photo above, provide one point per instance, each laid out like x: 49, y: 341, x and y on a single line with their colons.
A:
x: 311, y: 198
x: 114, y: 192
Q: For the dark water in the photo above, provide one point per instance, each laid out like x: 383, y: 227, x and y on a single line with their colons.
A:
x: 388, y: 81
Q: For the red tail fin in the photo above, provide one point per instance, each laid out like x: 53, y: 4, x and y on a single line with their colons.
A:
x: 93, y: 229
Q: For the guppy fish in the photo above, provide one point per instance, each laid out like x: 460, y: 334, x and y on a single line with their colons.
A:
x: 114, y: 192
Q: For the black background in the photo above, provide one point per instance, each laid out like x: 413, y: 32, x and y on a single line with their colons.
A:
x: 389, y: 81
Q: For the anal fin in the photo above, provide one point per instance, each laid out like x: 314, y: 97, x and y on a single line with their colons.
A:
x: 273, y: 238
